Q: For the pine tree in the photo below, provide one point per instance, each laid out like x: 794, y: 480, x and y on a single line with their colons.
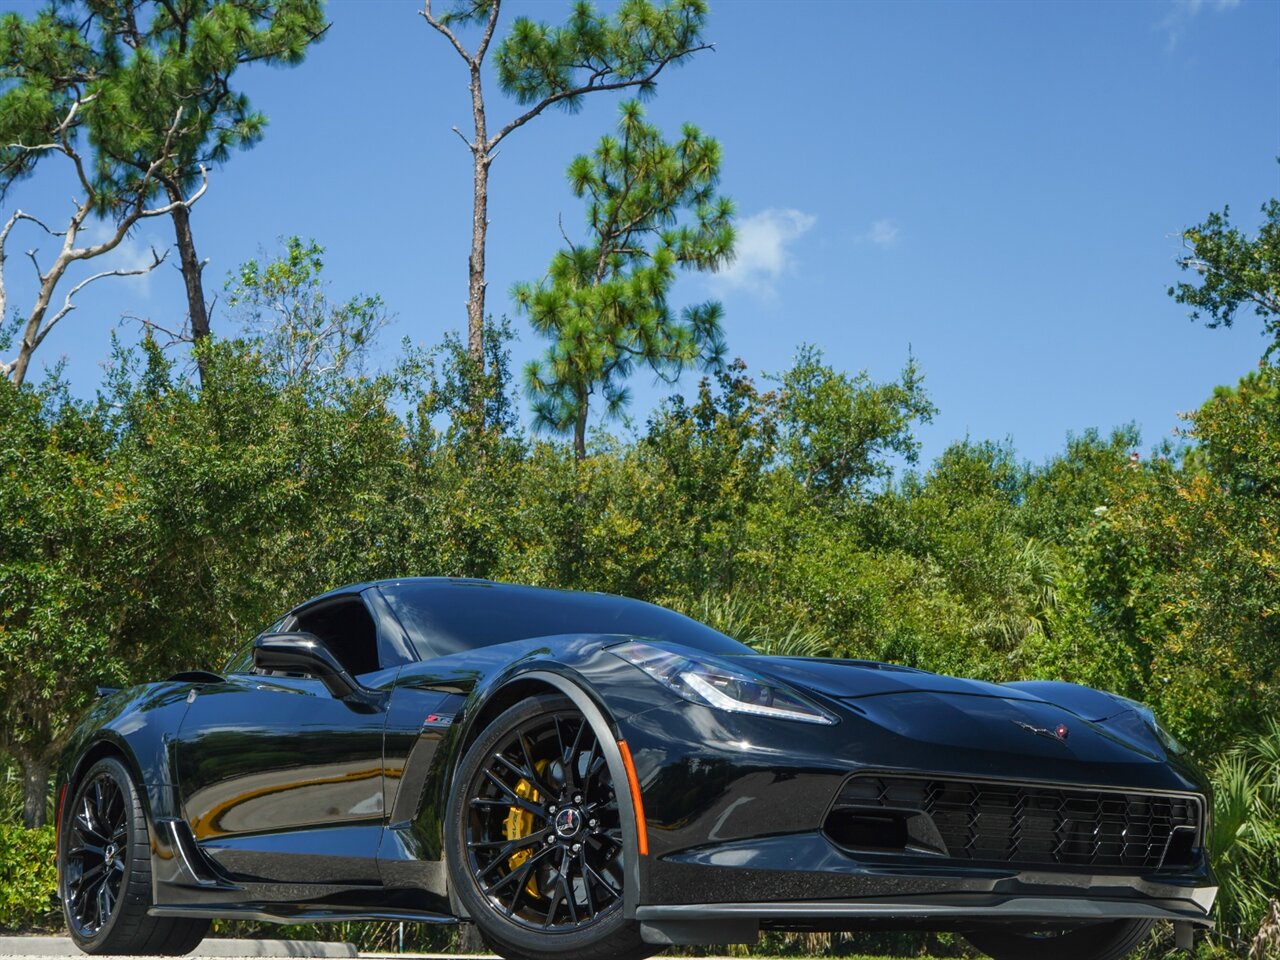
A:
x: 543, y: 66
x: 148, y: 85
x: 651, y: 208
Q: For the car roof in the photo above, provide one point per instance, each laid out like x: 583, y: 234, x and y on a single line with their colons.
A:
x: 443, y: 582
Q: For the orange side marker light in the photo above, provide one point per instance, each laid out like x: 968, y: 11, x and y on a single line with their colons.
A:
x: 637, y: 804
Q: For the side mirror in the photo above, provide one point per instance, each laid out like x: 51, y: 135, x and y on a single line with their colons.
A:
x: 306, y: 653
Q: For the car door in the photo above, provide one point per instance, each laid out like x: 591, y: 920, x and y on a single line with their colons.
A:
x: 280, y: 781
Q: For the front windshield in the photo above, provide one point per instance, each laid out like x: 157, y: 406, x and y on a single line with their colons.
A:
x: 449, y: 616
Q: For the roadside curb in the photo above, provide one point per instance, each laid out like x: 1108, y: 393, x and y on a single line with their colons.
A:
x: 212, y: 947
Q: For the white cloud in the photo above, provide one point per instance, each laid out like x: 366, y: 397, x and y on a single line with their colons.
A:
x: 1180, y: 14
x: 763, y: 251
x: 883, y: 233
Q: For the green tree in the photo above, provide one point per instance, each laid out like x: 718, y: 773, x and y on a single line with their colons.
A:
x: 1236, y: 271
x: 544, y: 66
x: 651, y: 209
x: 149, y: 85
x: 839, y: 433
x: 287, y: 313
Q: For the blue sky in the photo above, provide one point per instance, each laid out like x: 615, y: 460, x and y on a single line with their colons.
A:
x: 997, y: 187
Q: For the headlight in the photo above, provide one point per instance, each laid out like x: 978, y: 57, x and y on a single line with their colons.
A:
x: 714, y: 683
x: 1166, y: 738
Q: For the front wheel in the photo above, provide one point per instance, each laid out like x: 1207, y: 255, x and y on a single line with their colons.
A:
x: 104, y: 853
x: 536, y: 852
x: 1112, y: 940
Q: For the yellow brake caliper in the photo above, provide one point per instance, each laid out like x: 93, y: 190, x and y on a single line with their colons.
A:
x: 520, y: 824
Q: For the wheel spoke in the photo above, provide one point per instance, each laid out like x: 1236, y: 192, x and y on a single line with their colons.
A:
x: 92, y: 849
x: 106, y: 900
x: 505, y: 854
x: 564, y: 757
x: 591, y: 871
x: 528, y: 773
x: 586, y: 881
x: 596, y: 764
x: 85, y: 826
x: 511, y: 845
x: 551, y: 909
x: 544, y: 786
x: 528, y: 806
x: 89, y: 875
x: 522, y: 872
x: 571, y: 762
x: 565, y: 861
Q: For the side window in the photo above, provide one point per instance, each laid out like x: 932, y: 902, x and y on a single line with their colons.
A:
x: 347, y: 630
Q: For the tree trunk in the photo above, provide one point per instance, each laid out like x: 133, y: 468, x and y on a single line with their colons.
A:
x: 475, y: 263
x: 35, y: 792
x: 580, y: 431
x: 479, y: 225
x: 192, y: 270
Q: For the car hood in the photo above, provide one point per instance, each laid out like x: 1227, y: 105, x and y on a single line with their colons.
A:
x: 1033, y: 718
x: 852, y: 679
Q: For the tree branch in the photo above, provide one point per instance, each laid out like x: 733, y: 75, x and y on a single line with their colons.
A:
x: 488, y: 30
x: 443, y: 28
x: 68, y: 305
x: 175, y: 336
x: 589, y: 87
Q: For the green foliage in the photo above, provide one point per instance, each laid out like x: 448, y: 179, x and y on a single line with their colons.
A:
x: 737, y: 617
x: 536, y: 61
x: 837, y: 430
x: 651, y: 209
x: 1172, y: 587
x: 1245, y: 842
x: 1235, y: 271
x: 152, y: 80
x: 28, y: 878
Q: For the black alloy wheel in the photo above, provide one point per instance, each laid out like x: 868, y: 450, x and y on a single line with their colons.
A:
x: 539, y: 838
x: 104, y: 851
x: 97, y: 850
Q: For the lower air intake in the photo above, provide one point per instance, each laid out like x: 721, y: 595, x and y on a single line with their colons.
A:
x: 994, y: 822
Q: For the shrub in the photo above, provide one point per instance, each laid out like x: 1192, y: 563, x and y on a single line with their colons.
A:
x: 28, y: 879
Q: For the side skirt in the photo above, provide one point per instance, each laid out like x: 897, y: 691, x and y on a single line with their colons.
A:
x: 294, y: 913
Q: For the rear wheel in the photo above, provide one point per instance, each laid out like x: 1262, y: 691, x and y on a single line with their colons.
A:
x: 1112, y: 940
x: 536, y: 852
x: 104, y: 856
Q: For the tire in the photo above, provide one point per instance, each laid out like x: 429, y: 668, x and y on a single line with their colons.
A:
x: 534, y: 839
x: 104, y: 861
x: 1112, y: 940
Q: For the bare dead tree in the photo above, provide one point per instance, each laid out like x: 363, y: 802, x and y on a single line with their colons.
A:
x: 43, y: 316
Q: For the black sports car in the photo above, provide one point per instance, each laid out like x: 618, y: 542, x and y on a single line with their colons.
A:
x: 587, y: 776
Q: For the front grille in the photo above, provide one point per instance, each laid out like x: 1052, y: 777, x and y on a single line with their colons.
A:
x: 994, y: 822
